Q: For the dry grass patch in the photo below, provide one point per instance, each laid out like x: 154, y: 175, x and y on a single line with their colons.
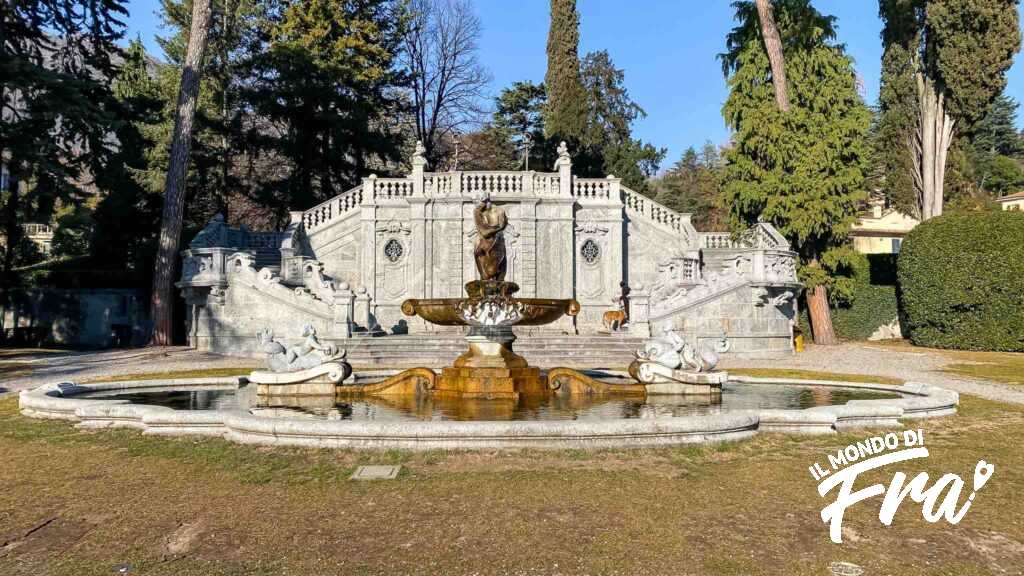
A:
x: 175, y: 374
x: 1005, y: 367
x: 79, y: 502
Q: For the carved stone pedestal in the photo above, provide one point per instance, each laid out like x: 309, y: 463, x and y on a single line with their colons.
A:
x: 490, y: 369
x: 318, y: 381
x: 660, y: 379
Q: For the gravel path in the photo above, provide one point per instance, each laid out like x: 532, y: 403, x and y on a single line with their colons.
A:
x: 908, y: 364
x: 78, y: 366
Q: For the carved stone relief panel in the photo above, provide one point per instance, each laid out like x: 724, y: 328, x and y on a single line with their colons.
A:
x: 394, y: 254
x: 592, y: 256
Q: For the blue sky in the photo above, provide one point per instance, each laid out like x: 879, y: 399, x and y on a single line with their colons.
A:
x: 666, y: 47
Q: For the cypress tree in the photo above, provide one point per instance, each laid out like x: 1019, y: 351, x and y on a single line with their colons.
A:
x: 952, y: 57
x: 566, y: 115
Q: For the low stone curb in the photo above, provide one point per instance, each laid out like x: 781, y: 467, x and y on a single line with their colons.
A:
x: 47, y: 401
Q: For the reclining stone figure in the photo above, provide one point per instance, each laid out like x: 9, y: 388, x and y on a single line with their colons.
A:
x: 309, y: 354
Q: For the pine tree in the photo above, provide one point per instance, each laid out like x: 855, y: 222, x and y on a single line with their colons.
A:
x: 56, y: 62
x: 161, y: 297
x: 128, y: 216
x: 566, y: 115
x: 326, y: 81
x: 217, y: 147
x: 608, y: 146
x: 801, y: 170
x: 996, y: 133
x: 693, y: 186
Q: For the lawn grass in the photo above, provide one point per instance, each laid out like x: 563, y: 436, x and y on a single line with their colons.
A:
x: 1005, y: 372
x: 813, y: 375
x: 174, y: 374
x: 81, y: 502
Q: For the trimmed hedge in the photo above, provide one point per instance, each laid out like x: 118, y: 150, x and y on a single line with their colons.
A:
x: 962, y: 281
x: 873, y: 302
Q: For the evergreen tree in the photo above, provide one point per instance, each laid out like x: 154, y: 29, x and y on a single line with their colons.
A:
x: 996, y: 133
x: 128, y: 216
x: 172, y: 220
x: 56, y: 60
x: 566, y: 114
x: 802, y: 170
x: 217, y: 144
x: 607, y: 146
x: 954, y: 54
x: 324, y: 88
x: 518, y: 112
x: 896, y: 123
x: 693, y: 186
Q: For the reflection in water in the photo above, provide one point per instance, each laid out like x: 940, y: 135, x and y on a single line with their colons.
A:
x: 734, y: 396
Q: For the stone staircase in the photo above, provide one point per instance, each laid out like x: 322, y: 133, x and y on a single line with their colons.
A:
x: 436, y: 351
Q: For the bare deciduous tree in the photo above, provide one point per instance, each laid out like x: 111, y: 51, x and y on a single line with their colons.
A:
x: 448, y: 82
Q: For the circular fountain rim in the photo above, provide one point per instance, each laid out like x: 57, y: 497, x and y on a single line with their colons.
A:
x: 49, y: 401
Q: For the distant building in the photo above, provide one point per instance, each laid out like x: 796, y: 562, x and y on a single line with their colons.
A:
x: 1013, y: 201
x: 41, y: 235
x: 881, y: 230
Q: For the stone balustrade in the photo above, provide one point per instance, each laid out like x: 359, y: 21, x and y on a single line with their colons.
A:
x: 593, y: 188
x: 392, y: 188
x: 638, y: 205
x: 338, y: 206
x: 761, y: 235
x: 471, y: 185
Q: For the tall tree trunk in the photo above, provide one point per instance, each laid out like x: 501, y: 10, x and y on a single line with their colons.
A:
x: 174, y: 197
x: 821, y: 316
x: 930, y: 146
x: 773, y: 45
x: 12, y: 225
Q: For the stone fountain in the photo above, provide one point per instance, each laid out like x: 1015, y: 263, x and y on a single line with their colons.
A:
x: 490, y: 368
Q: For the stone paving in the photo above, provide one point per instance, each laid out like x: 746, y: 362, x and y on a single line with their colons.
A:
x: 49, y: 367
x: 909, y: 364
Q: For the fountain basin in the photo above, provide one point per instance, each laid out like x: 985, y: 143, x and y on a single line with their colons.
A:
x: 615, y: 423
x: 445, y: 311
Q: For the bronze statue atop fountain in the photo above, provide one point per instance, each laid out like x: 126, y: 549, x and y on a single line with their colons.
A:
x: 489, y: 252
x: 490, y: 368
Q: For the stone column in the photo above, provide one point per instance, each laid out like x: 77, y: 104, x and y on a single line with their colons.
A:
x: 420, y: 260
x: 361, y: 314
x: 640, y: 312
x: 528, y: 248
x: 368, y: 223
x: 343, y: 311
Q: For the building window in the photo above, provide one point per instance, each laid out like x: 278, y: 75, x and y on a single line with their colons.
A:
x: 393, y: 250
x: 590, y: 251
x: 897, y: 243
